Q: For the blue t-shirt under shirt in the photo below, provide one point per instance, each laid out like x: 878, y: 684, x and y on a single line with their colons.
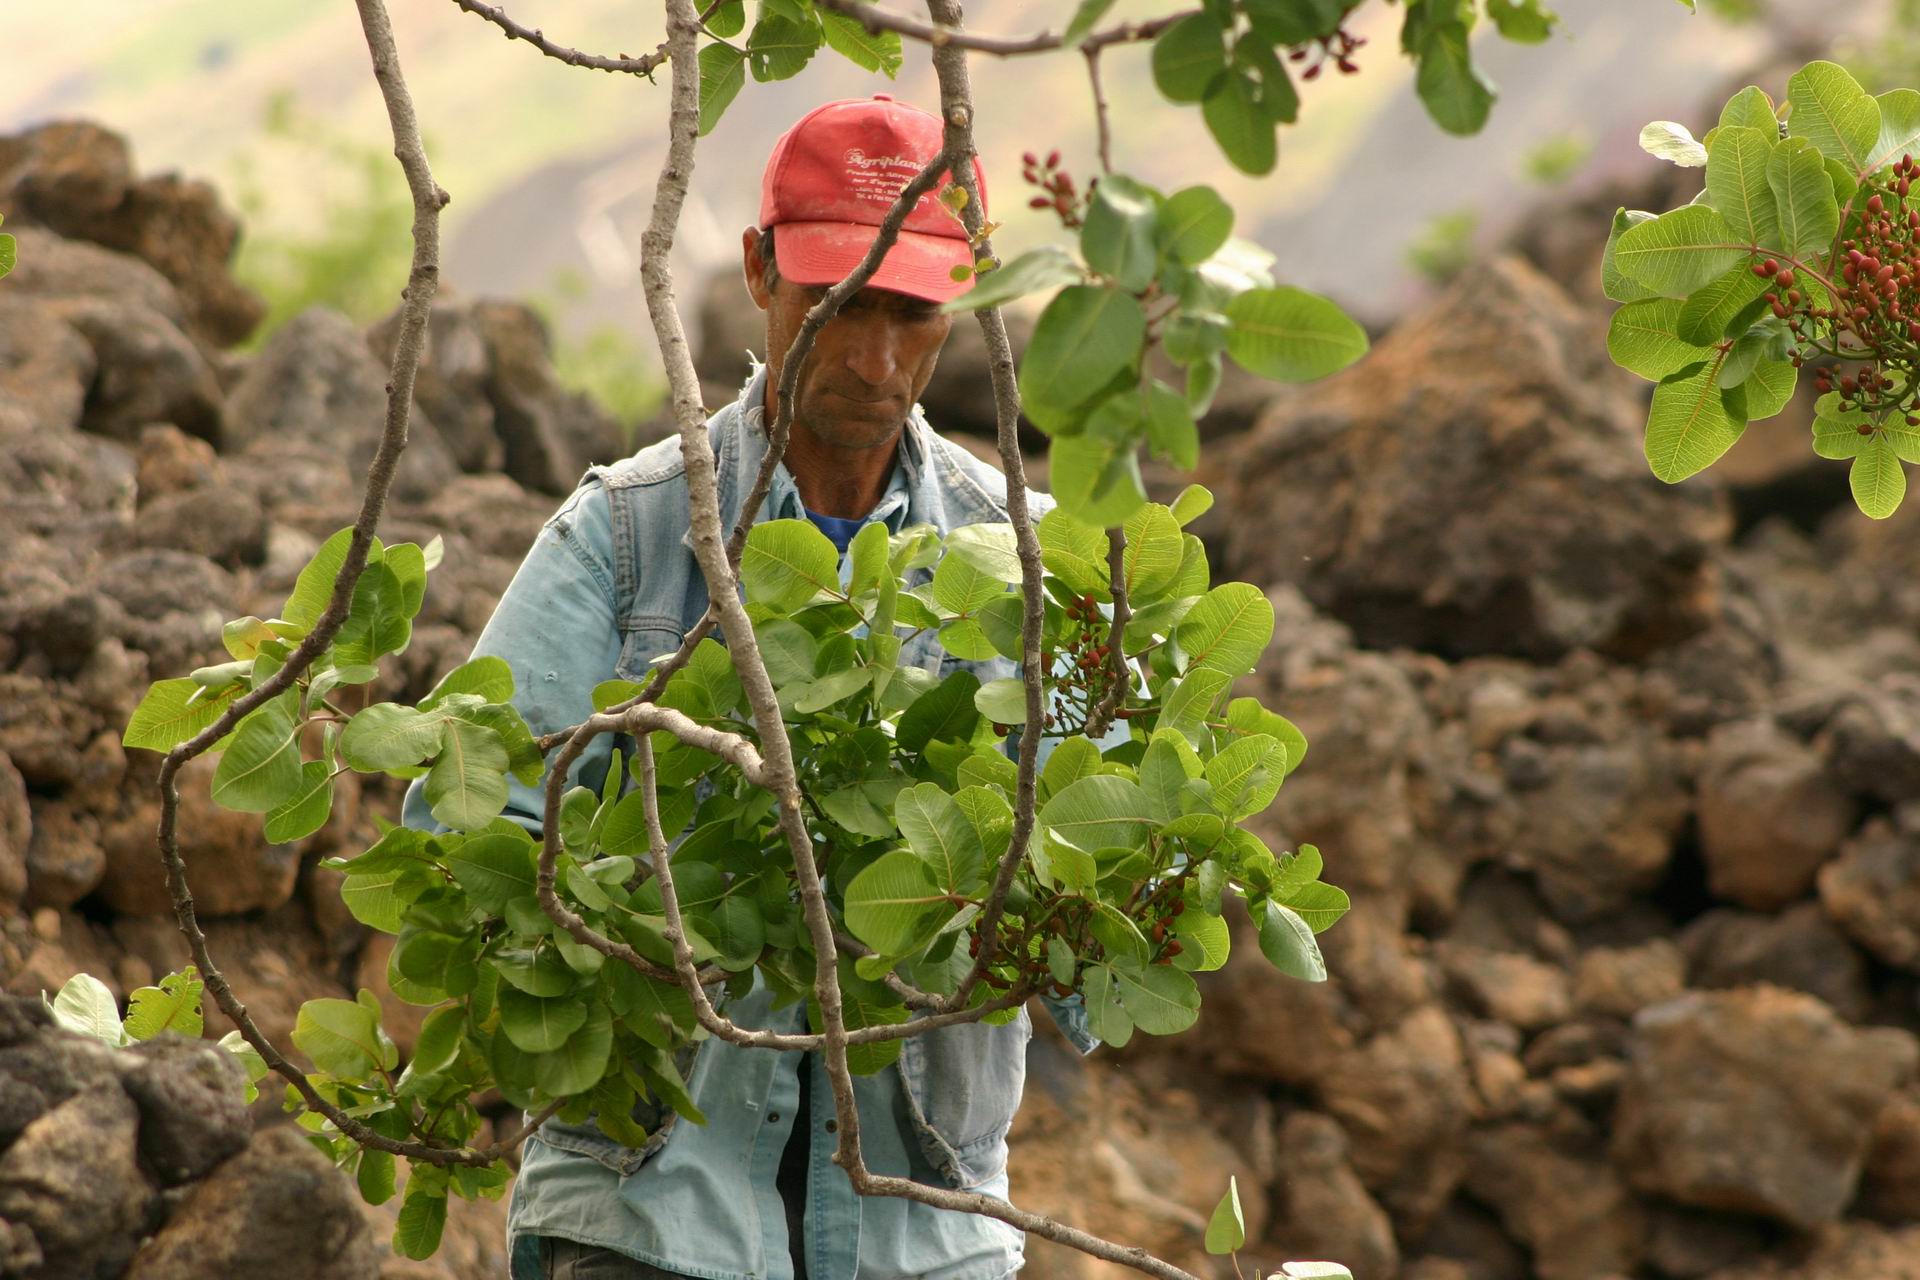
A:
x: 839, y: 531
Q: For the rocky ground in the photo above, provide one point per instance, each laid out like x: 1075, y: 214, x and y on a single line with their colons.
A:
x: 1624, y: 780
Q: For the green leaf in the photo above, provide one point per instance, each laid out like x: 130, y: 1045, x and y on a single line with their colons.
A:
x: 1750, y: 108
x: 830, y: 689
x: 1153, y: 554
x: 378, y: 622
x: 894, y: 906
x: 1457, y: 96
x: 1899, y: 128
x: 417, y: 1229
x: 935, y: 828
x: 260, y: 769
x: 1522, y: 21
x: 1613, y: 283
x: 1837, y: 434
x: 387, y: 735
x: 1117, y: 239
x: 85, y: 1006
x: 1833, y: 112
x: 1087, y: 335
x: 1643, y: 338
x: 341, y: 1037
x: 1667, y: 140
x: 1193, y: 224
x: 1688, y: 427
x: 494, y: 869
x: 1319, y: 906
x: 1737, y: 184
x: 1227, y: 1228
x: 779, y: 48
x: 307, y: 810
x: 1288, y: 944
x: 1291, y: 335
x: 1161, y: 1000
x: 173, y: 1006
x: 1247, y: 716
x: 1712, y: 310
x: 538, y: 972
x: 723, y: 73
x: 9, y: 254
x: 1075, y: 552
x: 960, y: 588
x: 486, y: 677
x: 165, y: 718
x: 729, y: 19
x: 1082, y: 23
x: 1877, y: 479
x: 788, y: 562
x: 1187, y: 58
x: 1101, y: 812
x: 945, y: 713
x: 1333, y: 1270
x: 1194, y: 501
x: 1677, y: 252
x: 1769, y: 386
x: 1096, y: 478
x: 1044, y: 268
x: 1227, y: 629
x: 1205, y: 941
x: 314, y: 587
x: 538, y: 1025
x: 1106, y: 1017
x: 1246, y: 776
x: 438, y: 1043
x: 1239, y: 122
x: 577, y: 1065
x: 467, y: 785
x: 1002, y: 701
x: 849, y: 37
x: 374, y: 1176
x: 1803, y: 195
x: 1188, y: 703
x: 1171, y: 430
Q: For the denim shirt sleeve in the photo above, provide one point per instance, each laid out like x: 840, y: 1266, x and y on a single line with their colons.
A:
x: 557, y: 629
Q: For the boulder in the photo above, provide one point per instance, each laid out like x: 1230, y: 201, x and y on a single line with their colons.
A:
x: 279, y: 1210
x: 1620, y: 981
x: 193, y: 1114
x: 550, y: 435
x: 453, y: 379
x: 172, y: 462
x: 1890, y: 1185
x: 226, y: 525
x: 46, y: 367
x: 16, y: 834
x: 64, y: 858
x: 1476, y: 485
x: 72, y: 1181
x: 1872, y: 740
x: 44, y: 729
x: 1558, y: 1196
x: 1320, y: 1208
x: 1799, y: 949
x: 1845, y: 1251
x: 52, y: 266
x: 1872, y: 890
x: 315, y: 383
x: 230, y: 866
x: 1769, y: 814
x: 146, y: 371
x: 1507, y: 986
x: 1758, y: 1101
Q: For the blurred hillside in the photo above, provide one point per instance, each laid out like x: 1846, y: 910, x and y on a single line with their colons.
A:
x: 552, y: 168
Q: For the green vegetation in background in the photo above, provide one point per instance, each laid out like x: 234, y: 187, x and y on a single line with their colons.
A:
x: 1555, y: 160
x: 1444, y: 247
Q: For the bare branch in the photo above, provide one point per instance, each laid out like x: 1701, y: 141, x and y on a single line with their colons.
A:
x: 643, y: 65
x: 1119, y: 674
x: 1099, y: 107
x: 422, y: 280
x: 942, y: 35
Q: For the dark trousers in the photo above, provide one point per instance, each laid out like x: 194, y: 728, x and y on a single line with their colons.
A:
x: 555, y: 1258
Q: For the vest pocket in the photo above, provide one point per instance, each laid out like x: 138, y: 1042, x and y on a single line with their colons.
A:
x: 963, y: 1086
x: 641, y: 644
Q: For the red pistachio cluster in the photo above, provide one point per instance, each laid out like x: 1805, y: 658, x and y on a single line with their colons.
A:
x: 1337, y: 48
x: 1056, y: 186
x: 1875, y: 303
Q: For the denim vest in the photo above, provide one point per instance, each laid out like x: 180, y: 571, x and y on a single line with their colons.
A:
x: 610, y: 584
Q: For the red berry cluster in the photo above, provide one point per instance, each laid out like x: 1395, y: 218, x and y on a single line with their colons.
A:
x: 1337, y: 48
x: 1056, y: 185
x: 1875, y: 304
x: 1089, y: 669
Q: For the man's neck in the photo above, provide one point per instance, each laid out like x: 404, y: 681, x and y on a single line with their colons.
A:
x: 837, y: 481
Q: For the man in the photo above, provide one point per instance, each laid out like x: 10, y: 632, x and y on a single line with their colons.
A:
x: 610, y: 584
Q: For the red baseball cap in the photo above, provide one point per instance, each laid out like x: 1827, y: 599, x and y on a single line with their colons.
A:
x: 828, y: 186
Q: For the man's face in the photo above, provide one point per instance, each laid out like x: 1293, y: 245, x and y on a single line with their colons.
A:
x: 868, y: 365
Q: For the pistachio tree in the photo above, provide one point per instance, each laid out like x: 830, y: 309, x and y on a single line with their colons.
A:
x: 802, y: 798
x: 1802, y: 248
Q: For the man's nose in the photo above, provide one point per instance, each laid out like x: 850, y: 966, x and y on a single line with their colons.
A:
x: 871, y: 353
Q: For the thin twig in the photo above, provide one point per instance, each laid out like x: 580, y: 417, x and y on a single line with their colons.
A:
x: 1119, y: 674
x: 643, y: 66
x: 1099, y: 106
x: 942, y: 35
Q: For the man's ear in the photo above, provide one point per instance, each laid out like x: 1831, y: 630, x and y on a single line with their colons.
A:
x: 755, y: 269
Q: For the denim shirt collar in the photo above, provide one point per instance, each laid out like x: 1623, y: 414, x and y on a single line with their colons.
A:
x: 740, y: 444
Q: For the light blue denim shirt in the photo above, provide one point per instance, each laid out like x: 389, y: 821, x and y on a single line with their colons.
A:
x: 610, y: 584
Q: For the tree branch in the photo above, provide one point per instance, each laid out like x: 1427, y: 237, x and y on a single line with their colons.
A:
x: 643, y: 66
x: 1099, y: 107
x: 1119, y: 674
x: 941, y: 35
